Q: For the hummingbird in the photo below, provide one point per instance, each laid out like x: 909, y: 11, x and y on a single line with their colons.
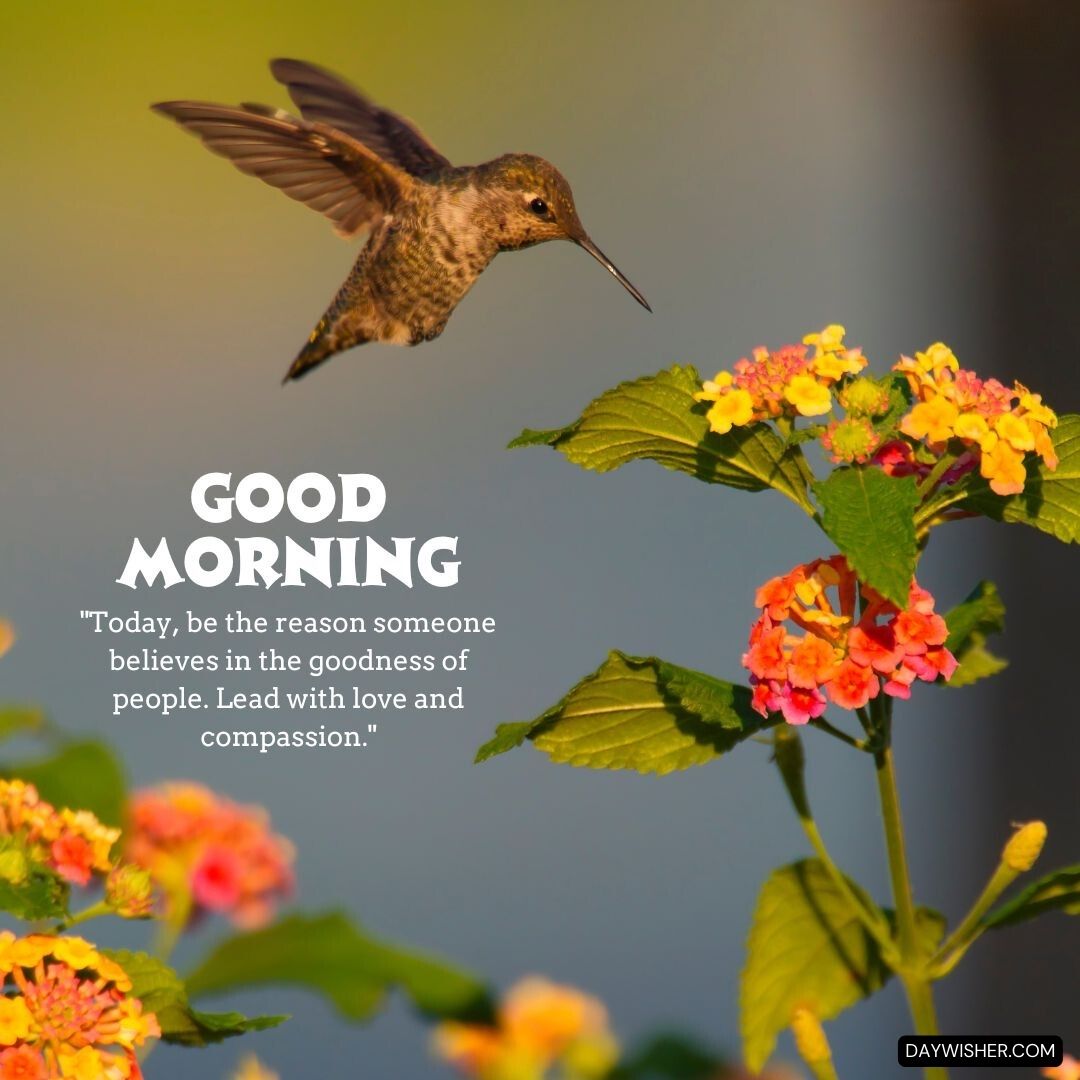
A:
x: 432, y: 227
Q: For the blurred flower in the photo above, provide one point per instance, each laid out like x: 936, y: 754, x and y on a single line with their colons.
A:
x: 65, y: 1012
x: 1069, y: 1069
x: 795, y: 380
x: 7, y: 636
x: 209, y: 854
x: 250, y: 1069
x: 540, y: 1025
x: 843, y: 656
x: 73, y: 843
x: 997, y: 426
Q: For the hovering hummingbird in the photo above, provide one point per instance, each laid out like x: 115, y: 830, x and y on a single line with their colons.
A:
x: 433, y: 227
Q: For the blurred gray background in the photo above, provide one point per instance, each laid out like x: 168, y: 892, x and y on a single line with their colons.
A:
x: 758, y: 170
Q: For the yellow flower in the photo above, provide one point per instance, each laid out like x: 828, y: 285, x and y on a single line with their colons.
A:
x: 1015, y: 432
x: 1033, y: 409
x: 971, y: 426
x: 546, y: 1018
x: 809, y: 397
x: 252, y: 1069
x: 937, y: 358
x: 15, y: 1020
x: 933, y: 420
x: 1002, y: 466
x: 84, y: 1064
x: 75, y: 952
x: 830, y: 339
x: 836, y: 365
x: 733, y: 409
x: 712, y: 388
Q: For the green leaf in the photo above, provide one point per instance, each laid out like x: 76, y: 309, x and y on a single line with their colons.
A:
x: 42, y: 895
x: 332, y: 956
x: 81, y: 776
x: 162, y: 992
x: 670, y: 1057
x: 871, y: 518
x: 808, y: 948
x: 657, y: 418
x: 1050, y: 500
x: 20, y: 720
x: 638, y: 713
x: 1059, y: 891
x: 981, y: 614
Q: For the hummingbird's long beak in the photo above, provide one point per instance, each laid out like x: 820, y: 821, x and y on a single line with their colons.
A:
x: 619, y: 276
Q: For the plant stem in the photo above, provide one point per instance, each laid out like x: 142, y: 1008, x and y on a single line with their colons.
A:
x: 823, y: 725
x: 790, y: 761
x: 916, y: 982
x: 94, y: 911
x: 944, y: 464
x: 963, y: 937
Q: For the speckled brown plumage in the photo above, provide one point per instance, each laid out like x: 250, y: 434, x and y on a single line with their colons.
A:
x: 432, y: 228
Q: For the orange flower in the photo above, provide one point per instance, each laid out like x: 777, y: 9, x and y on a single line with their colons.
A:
x: 845, y: 656
x: 540, y: 1024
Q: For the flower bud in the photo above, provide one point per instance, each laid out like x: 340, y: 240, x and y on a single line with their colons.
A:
x: 810, y: 1038
x: 129, y: 891
x: 14, y: 868
x: 1024, y: 846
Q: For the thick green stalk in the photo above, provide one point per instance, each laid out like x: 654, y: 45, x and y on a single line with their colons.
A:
x: 912, y: 974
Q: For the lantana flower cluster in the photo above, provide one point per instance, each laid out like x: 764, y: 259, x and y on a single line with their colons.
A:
x: 996, y: 425
x: 983, y: 423
x: 73, y: 843
x: 66, y: 1011
x: 209, y: 854
x: 811, y: 644
x: 541, y: 1026
x: 795, y: 380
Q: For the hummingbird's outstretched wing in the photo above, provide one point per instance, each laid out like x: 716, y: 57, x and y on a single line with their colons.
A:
x: 324, y: 97
x: 326, y: 169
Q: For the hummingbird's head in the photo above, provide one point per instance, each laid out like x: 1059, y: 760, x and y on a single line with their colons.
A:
x: 532, y: 202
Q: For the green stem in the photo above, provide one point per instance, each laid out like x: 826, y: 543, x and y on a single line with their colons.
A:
x: 790, y: 762
x: 823, y: 725
x: 94, y: 911
x: 965, y: 935
x: 894, y: 843
x: 912, y: 973
x: 944, y: 464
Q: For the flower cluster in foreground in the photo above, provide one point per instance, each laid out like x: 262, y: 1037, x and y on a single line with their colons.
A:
x: 842, y: 655
x: 209, y: 854
x: 996, y: 425
x: 73, y: 843
x: 540, y: 1025
x: 788, y: 382
x: 65, y: 1011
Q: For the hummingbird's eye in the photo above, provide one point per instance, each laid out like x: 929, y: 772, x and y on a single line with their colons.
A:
x: 538, y: 207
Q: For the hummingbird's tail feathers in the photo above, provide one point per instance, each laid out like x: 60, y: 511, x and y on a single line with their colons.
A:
x: 322, y: 344
x: 323, y: 97
x: 328, y: 170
